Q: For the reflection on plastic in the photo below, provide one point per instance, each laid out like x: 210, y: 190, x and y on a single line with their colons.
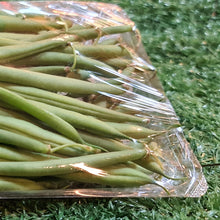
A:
x: 91, y: 170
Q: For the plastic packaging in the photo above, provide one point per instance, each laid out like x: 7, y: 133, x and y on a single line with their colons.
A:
x: 113, y: 59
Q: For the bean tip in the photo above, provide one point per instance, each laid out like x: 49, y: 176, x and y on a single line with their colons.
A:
x: 164, y: 188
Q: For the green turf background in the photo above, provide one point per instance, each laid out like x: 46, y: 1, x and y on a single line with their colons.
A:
x: 182, y: 39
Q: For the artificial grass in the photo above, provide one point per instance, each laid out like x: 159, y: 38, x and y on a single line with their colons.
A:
x: 182, y: 40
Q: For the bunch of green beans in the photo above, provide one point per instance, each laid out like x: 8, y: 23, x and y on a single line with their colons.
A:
x: 47, y: 129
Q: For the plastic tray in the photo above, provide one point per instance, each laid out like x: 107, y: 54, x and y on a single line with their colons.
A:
x: 180, y: 160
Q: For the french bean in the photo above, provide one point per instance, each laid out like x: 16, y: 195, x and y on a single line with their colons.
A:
x: 68, y: 165
x: 52, y: 120
x: 51, y: 21
x: 52, y: 82
x: 11, y: 138
x: 123, y: 169
x: 6, y: 110
x: 18, y: 184
x: 110, y: 144
x: 32, y: 130
x: 17, y: 36
x: 73, y: 104
x: 83, y: 122
x: 16, y: 154
x: 63, y: 59
x: 96, y: 51
x: 53, y: 70
x: 119, y: 176
x: 108, y: 180
x: 93, y: 33
x: 134, y: 131
x: 152, y: 163
x: 149, y: 162
x: 21, y: 125
x: 7, y: 42
x: 43, y: 36
x: 16, y: 52
x: 121, y: 63
x: 110, y: 41
x: 20, y: 25
x: 80, y: 74
x: 118, y: 63
x: 106, y: 143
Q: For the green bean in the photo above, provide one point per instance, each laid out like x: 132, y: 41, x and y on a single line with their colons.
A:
x: 10, y: 153
x: 73, y: 104
x: 53, y: 139
x: 112, y: 116
x: 93, y: 33
x: 84, y: 149
x: 123, y: 169
x: 57, y: 142
x: 134, y: 131
x: 63, y: 59
x: 30, y: 37
x: 85, y: 111
x: 121, y: 63
x: 68, y: 165
x: 79, y: 27
x: 152, y: 163
x: 51, y: 24
x: 16, y: 154
x: 53, y: 21
x: 52, y: 120
x: 62, y: 71
x: 12, y: 112
x: 110, y: 144
x: 43, y: 36
x: 53, y: 70
x: 118, y: 63
x: 17, y: 36
x: 81, y: 74
x: 15, y: 52
x: 52, y: 183
x: 140, y: 168
x: 110, y: 41
x: 128, y: 71
x: 119, y: 176
x: 96, y: 51
x: 106, y: 143
x: 20, y: 25
x: 53, y: 83
x: 74, y: 149
x: 6, y: 41
x: 82, y: 122
x: 32, y: 130
x: 108, y: 180
x: 18, y: 184
x: 11, y: 138
x: 129, y: 170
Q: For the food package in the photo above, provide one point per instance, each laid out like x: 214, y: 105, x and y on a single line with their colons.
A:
x: 82, y: 111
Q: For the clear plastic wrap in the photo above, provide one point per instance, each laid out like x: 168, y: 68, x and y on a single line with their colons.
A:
x: 141, y: 95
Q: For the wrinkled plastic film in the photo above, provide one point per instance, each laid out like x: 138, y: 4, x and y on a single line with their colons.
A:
x: 137, y: 93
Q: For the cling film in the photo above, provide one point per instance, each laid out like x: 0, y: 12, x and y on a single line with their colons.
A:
x: 82, y: 112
